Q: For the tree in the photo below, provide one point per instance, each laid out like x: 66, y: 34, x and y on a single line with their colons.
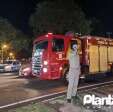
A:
x: 21, y: 41
x: 22, y: 45
x: 15, y: 39
x: 7, y: 31
x: 98, y: 27
x: 59, y: 16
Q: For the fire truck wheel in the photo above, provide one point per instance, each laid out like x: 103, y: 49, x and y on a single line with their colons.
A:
x: 112, y: 69
x: 86, y: 69
x: 64, y: 77
x: 88, y: 78
x: 64, y: 80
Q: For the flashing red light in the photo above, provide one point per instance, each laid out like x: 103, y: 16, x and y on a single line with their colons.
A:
x: 50, y: 33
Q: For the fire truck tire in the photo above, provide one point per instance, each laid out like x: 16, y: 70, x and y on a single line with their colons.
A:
x: 64, y: 75
x: 112, y: 69
x: 89, y: 78
x: 85, y: 69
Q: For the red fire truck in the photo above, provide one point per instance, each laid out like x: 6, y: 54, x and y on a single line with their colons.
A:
x: 49, y: 55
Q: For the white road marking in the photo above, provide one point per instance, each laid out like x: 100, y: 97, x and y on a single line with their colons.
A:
x: 39, y: 97
x: 52, y: 98
x: 83, y: 87
x: 28, y: 100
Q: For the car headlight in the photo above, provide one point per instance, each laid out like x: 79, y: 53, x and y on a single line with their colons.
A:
x: 44, y: 70
x: 7, y: 67
x: 45, y: 62
x: 26, y: 69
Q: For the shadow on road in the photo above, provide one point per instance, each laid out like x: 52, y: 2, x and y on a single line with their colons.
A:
x: 35, y: 84
x: 43, y: 84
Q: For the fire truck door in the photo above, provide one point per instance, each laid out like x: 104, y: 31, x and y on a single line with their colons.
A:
x: 93, y: 59
x: 103, y: 58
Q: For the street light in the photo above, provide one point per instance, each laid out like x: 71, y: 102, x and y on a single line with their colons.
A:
x: 11, y: 55
x: 3, y: 47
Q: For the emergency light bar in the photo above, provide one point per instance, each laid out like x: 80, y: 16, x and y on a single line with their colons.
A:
x: 49, y: 34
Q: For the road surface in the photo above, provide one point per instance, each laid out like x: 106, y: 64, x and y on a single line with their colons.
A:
x: 14, y: 89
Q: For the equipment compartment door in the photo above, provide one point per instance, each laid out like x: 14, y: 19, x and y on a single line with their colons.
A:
x: 110, y: 54
x: 103, y: 58
x: 93, y: 59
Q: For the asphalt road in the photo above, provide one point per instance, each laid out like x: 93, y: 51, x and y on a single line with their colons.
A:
x: 14, y: 89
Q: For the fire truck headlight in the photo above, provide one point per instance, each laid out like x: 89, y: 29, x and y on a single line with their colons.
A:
x: 44, y: 70
x: 60, y: 68
x: 45, y: 62
x: 40, y: 53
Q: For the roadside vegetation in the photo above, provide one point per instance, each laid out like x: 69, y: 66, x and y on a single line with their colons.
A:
x: 37, y: 107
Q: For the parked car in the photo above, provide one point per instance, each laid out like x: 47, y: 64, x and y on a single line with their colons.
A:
x: 25, y: 70
x: 11, y: 65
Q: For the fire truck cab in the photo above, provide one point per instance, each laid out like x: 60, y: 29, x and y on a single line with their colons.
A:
x: 49, y: 55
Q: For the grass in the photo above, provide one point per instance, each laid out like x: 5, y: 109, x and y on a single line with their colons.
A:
x: 50, y: 106
x: 37, y: 107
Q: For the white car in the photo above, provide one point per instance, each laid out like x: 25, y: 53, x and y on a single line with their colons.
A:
x: 12, y: 65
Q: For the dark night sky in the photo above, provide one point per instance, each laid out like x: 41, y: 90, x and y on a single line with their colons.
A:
x: 102, y: 10
x: 19, y: 11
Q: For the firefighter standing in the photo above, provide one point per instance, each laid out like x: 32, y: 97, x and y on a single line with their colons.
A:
x: 74, y: 72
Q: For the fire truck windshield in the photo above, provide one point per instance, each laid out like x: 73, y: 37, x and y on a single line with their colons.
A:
x: 41, y: 45
x: 58, y: 45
